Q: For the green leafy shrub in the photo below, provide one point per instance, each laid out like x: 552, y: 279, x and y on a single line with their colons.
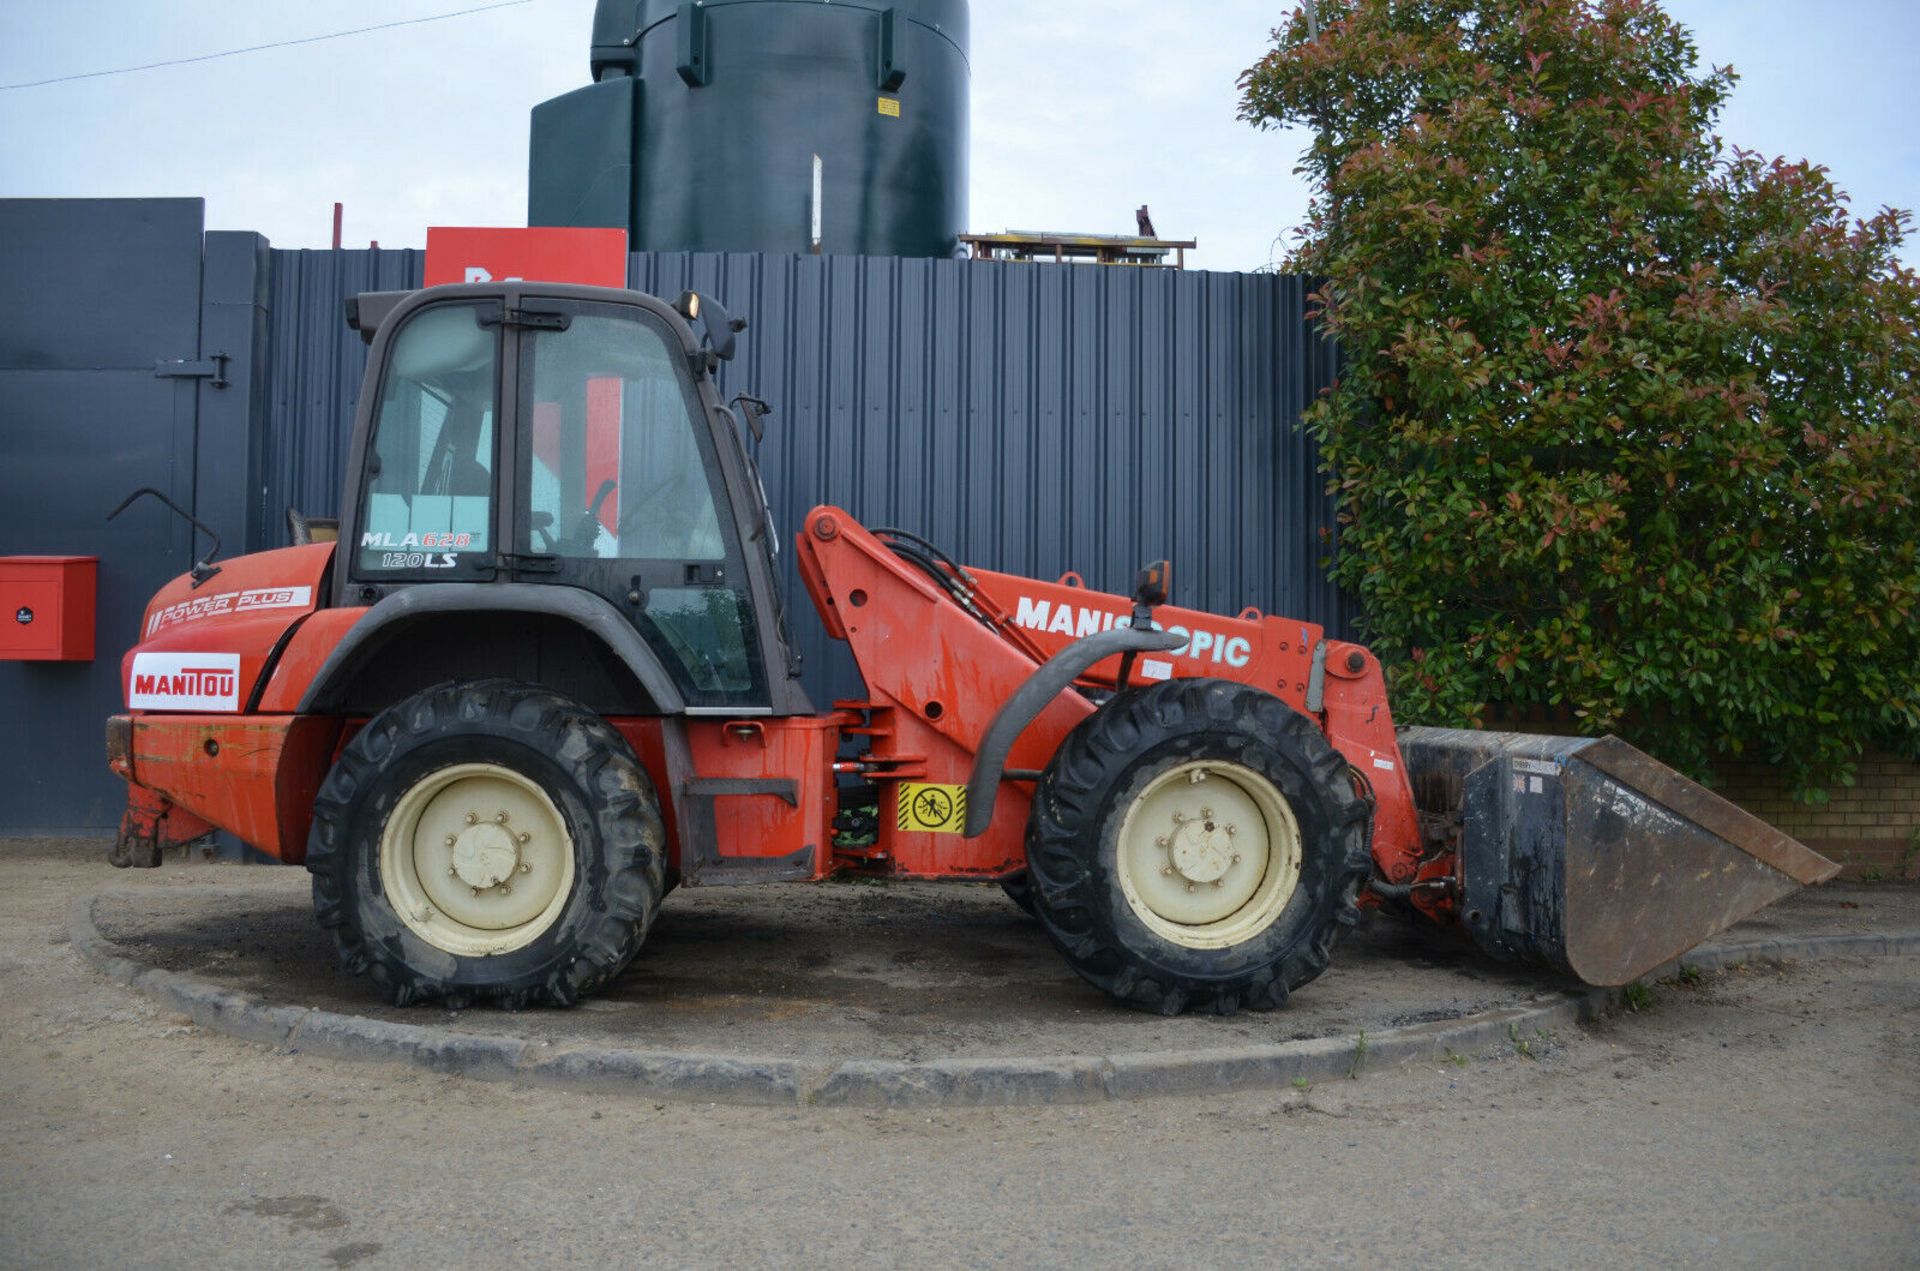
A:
x: 1629, y: 420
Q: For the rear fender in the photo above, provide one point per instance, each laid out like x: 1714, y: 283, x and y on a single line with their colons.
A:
x: 1051, y: 679
x: 375, y: 632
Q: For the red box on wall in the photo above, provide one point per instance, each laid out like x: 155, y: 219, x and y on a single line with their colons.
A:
x: 46, y: 608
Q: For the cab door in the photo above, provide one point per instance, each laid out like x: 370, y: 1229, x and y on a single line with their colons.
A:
x: 619, y: 490
x: 424, y: 509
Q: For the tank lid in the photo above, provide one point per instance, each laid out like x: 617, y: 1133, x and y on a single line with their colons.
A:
x: 617, y: 24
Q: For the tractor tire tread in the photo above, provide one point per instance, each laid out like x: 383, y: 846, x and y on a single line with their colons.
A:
x: 1069, y: 888
x: 620, y: 859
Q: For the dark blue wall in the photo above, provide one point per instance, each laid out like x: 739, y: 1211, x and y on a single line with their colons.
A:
x: 92, y: 294
x: 1031, y: 418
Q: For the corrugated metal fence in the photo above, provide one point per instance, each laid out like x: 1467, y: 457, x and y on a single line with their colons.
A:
x: 1029, y: 418
x: 1032, y: 418
x: 314, y: 364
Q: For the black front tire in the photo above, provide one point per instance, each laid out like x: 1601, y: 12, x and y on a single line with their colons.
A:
x: 600, y: 792
x: 1110, y: 762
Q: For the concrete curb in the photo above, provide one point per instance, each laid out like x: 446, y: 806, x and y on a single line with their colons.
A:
x: 878, y: 1083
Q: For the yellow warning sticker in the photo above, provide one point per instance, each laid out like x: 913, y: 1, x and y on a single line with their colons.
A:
x: 890, y: 106
x: 932, y: 809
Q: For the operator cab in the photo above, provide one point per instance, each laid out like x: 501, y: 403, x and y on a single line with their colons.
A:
x: 572, y: 437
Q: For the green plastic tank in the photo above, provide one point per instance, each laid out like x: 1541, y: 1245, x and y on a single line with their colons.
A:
x: 703, y: 122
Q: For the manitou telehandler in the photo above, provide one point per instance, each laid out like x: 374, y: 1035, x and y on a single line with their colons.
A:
x: 542, y: 678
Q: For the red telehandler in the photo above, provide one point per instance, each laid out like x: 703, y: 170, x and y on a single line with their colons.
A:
x: 542, y: 678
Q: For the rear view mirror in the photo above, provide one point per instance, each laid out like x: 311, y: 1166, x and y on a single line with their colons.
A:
x: 753, y: 413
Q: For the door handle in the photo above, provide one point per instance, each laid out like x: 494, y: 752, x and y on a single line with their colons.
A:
x: 529, y: 563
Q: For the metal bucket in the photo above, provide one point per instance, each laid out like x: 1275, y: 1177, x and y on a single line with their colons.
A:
x: 1589, y: 856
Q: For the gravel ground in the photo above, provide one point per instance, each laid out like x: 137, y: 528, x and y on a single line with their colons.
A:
x: 1766, y: 1115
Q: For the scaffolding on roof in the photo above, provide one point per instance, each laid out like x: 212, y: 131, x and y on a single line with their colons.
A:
x: 1104, y: 249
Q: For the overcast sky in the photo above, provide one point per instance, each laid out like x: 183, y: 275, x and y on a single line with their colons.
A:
x: 1082, y: 109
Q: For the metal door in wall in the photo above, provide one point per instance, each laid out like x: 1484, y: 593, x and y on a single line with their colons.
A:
x: 97, y: 292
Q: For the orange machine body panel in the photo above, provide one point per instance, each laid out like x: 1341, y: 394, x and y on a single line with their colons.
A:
x: 922, y: 656
x: 1274, y: 654
x: 759, y: 826
x: 47, y: 608
x: 305, y: 653
x: 205, y: 648
x: 217, y: 681
x: 198, y: 741
x: 935, y: 679
x: 255, y: 776
x: 284, y: 582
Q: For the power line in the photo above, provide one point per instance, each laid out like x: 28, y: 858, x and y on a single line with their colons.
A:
x: 257, y: 48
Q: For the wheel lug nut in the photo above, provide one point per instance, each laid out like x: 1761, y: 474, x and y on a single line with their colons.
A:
x: 506, y: 889
x: 1161, y: 841
x: 1235, y: 860
x: 476, y: 891
x: 1206, y: 814
x: 1232, y: 829
x: 472, y: 819
x: 525, y: 868
x: 1166, y: 869
x: 1189, y: 886
x: 452, y: 872
x: 500, y: 818
x: 522, y: 837
x: 451, y: 840
x: 1219, y: 882
x: 1179, y: 818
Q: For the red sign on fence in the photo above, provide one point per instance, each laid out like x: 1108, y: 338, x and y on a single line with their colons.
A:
x: 595, y: 257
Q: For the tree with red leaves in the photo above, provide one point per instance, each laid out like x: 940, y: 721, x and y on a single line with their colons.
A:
x: 1630, y: 421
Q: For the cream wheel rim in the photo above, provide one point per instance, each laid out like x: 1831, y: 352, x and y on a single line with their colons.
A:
x: 476, y: 860
x: 1209, y: 854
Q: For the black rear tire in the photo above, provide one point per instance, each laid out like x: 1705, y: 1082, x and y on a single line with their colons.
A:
x: 600, y: 794
x: 1019, y: 889
x: 1118, y: 758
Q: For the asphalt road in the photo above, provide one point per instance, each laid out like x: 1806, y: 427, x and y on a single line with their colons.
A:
x: 1765, y: 1115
